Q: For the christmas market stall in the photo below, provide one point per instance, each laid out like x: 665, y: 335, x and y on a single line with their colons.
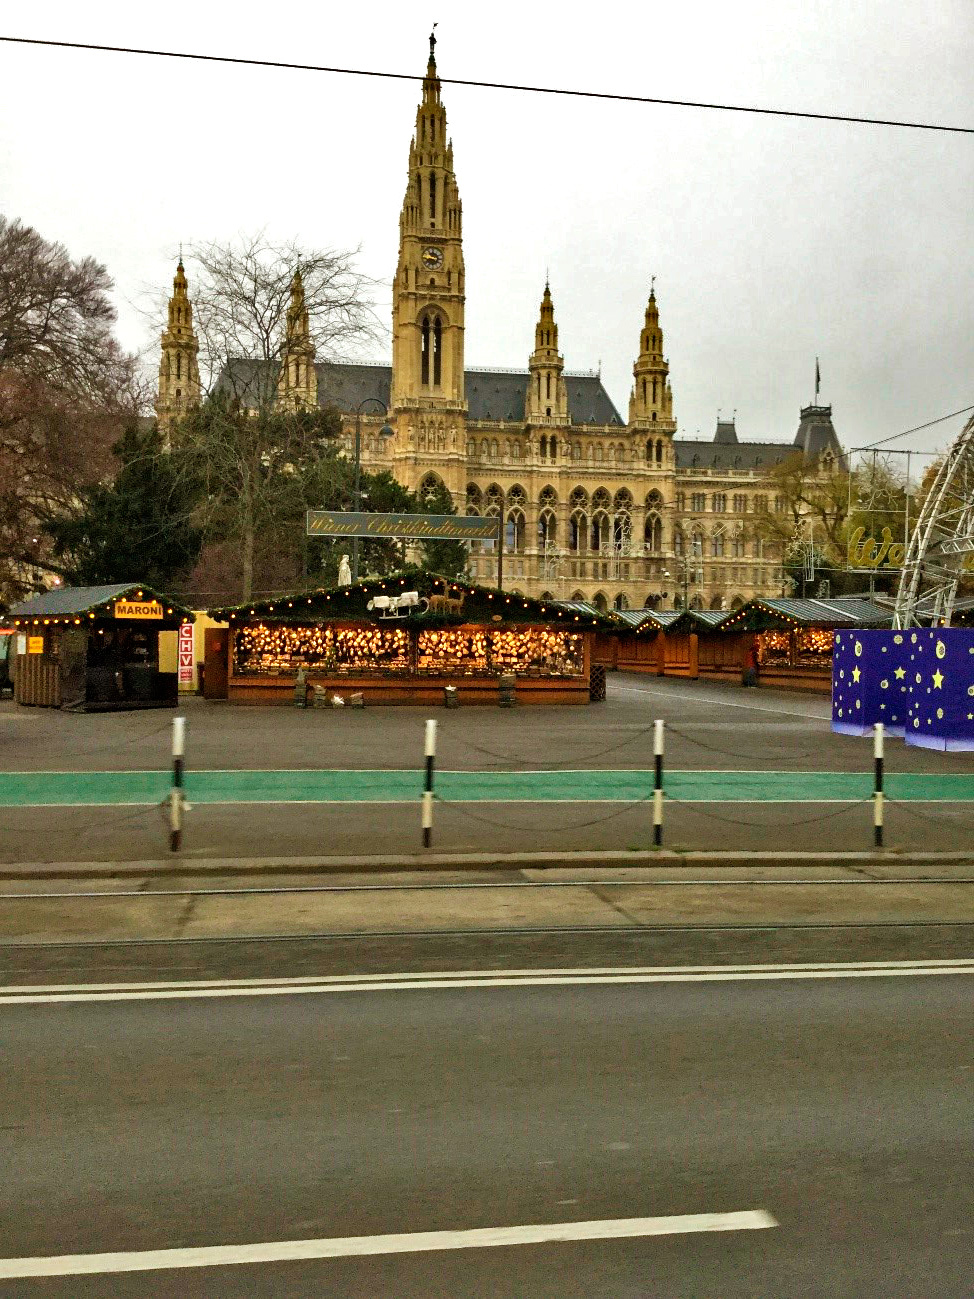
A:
x: 410, y: 638
x: 791, y: 639
x: 783, y: 642
x: 95, y: 648
x: 669, y: 642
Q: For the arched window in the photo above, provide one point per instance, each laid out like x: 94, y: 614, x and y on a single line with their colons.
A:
x: 437, y: 352
x: 493, y: 449
x: 577, y: 451
x: 679, y: 547
x: 600, y: 601
x: 179, y: 365
x: 659, y: 453
x: 425, y: 347
x: 553, y: 446
x: 471, y: 447
x: 577, y: 529
x: 547, y: 529
x: 599, y: 540
x: 514, y: 532
x: 620, y: 602
x: 544, y: 448
x: 649, y: 450
x: 654, y: 533
x: 717, y: 544
x: 432, y: 198
x: 430, y: 488
x: 622, y: 533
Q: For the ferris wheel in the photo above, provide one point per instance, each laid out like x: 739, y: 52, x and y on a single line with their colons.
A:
x: 941, y: 548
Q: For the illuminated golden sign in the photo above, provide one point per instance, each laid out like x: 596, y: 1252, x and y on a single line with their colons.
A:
x: 138, y: 609
x: 35, y: 644
x: 867, y: 552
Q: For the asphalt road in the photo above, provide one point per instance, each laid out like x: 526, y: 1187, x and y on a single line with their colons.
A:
x: 842, y: 1107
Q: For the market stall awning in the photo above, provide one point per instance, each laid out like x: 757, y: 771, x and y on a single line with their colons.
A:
x: 442, y: 601
x: 69, y: 604
x: 780, y: 614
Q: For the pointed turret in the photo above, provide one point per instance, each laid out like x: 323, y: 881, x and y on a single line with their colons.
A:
x: 651, y: 400
x: 297, y: 384
x: 547, y: 399
x: 179, y: 376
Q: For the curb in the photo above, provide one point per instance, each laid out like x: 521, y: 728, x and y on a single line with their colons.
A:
x: 431, y: 862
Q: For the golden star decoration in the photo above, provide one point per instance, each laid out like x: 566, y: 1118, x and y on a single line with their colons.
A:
x: 938, y: 680
x: 856, y: 674
x: 900, y: 673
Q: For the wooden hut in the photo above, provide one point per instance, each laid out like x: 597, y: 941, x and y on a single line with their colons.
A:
x: 95, y: 648
x: 403, y: 639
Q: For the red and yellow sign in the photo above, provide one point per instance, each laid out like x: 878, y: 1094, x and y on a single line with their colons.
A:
x: 141, y: 609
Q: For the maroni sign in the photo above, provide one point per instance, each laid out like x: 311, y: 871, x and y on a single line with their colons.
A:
x: 421, y: 527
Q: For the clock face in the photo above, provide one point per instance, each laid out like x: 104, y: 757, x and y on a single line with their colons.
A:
x: 433, y: 258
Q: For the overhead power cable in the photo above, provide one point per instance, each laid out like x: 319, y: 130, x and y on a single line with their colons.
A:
x: 907, y: 431
x: 496, y: 85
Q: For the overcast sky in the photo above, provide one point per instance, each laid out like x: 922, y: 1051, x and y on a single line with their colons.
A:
x: 772, y: 240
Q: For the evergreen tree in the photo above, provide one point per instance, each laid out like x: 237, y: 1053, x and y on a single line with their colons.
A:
x: 138, y: 528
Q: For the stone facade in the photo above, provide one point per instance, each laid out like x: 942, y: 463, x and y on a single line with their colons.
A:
x: 619, y: 512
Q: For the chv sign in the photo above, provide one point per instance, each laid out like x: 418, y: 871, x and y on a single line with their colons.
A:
x: 186, y: 654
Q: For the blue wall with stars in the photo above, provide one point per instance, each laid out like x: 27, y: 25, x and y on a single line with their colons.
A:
x: 918, y: 683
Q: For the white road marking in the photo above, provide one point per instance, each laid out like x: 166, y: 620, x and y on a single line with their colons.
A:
x: 29, y: 995
x: 286, y: 1251
x: 721, y: 703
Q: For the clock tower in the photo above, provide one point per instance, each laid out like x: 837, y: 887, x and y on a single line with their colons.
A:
x: 428, y: 294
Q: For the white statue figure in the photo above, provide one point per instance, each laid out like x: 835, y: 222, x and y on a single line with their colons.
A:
x: 344, y: 572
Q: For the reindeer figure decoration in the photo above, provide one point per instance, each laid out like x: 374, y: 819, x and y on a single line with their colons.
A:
x: 444, y: 603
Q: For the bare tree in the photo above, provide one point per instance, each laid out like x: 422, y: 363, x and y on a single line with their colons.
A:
x: 258, y: 466
x: 241, y: 292
x: 66, y: 391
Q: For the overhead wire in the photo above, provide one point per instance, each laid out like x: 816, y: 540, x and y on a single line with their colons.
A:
x: 497, y: 85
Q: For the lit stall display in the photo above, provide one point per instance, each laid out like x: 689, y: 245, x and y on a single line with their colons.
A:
x: 281, y: 649
x: 403, y: 639
x: 532, y: 652
x: 813, y: 647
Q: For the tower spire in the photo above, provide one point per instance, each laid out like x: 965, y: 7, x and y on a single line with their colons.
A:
x: 546, y: 401
x: 651, y: 400
x: 179, y: 376
x: 297, y: 384
x: 428, y: 294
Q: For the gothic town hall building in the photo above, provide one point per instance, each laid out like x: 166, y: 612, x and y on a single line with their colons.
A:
x: 619, y: 512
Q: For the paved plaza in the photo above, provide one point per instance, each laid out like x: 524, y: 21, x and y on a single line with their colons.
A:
x: 745, y: 770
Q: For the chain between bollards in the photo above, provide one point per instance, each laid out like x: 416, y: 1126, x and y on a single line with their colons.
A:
x: 878, y: 790
x: 658, y: 782
x: 176, y: 796
x: 430, y: 751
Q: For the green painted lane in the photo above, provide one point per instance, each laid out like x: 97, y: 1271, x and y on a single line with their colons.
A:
x: 107, y: 788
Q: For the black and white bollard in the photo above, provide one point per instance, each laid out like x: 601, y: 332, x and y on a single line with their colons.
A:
x: 176, y: 797
x: 658, y: 783
x: 878, y: 790
x: 430, y: 750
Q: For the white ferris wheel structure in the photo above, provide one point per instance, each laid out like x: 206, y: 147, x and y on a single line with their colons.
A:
x: 941, y: 548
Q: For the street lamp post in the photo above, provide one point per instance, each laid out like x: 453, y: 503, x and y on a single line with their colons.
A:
x: 384, y: 432
x: 685, y: 573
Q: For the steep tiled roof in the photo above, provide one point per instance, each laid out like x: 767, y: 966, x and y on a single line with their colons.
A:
x: 491, y: 394
x: 731, y: 455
